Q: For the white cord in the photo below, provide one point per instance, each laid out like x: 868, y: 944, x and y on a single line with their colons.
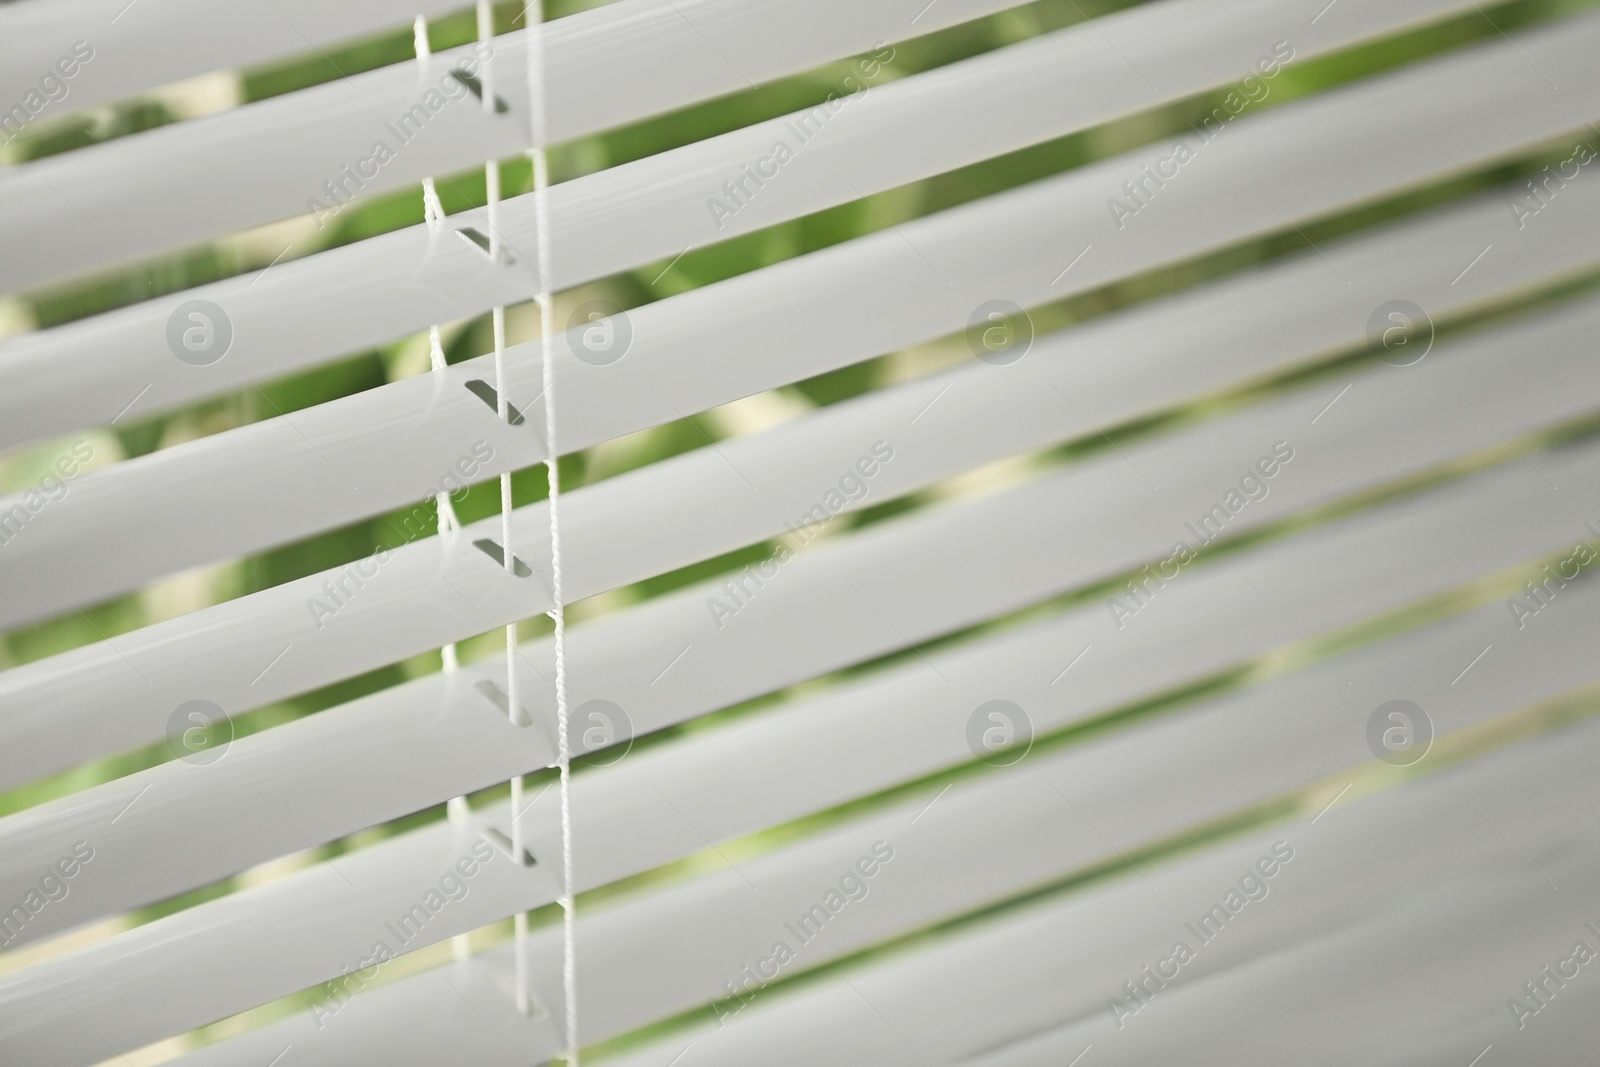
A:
x: 491, y: 174
x: 456, y: 809
x: 432, y: 212
x: 541, y: 184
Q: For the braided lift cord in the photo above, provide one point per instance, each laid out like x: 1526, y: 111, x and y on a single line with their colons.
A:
x: 448, y: 524
x: 546, y: 302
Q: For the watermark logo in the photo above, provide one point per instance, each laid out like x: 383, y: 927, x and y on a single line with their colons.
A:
x: 799, y: 130
x: 851, y: 488
x: 599, y: 332
x: 1251, y: 888
x: 1401, y: 332
x: 999, y: 733
x: 852, y: 886
x: 1253, y: 487
x: 18, y: 511
x: 999, y: 332
x: 1544, y: 187
x: 1399, y: 733
x: 199, y: 332
x: 1551, y: 979
x: 453, y: 885
x: 52, y: 887
x: 341, y: 589
x: 54, y: 87
x: 600, y: 724
x: 198, y: 732
x: 1537, y: 596
x: 454, y: 84
x: 1252, y: 89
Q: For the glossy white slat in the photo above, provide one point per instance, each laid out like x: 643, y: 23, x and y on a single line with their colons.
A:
x: 611, y: 65
x: 311, y: 762
x: 933, y: 273
x: 168, y: 40
x: 103, y: 698
x: 986, y: 841
x: 1404, y: 912
x: 333, y: 923
x: 284, y: 479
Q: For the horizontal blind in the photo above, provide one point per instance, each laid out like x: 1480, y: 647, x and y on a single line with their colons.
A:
x: 629, y: 826
x: 655, y: 208
x: 325, y: 807
x: 1289, y: 425
x: 111, y: 51
x: 74, y: 214
x: 336, y: 463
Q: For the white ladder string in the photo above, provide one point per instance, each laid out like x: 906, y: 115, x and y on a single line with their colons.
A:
x: 546, y: 301
x: 491, y: 174
x: 456, y: 808
x: 448, y: 523
x: 432, y: 211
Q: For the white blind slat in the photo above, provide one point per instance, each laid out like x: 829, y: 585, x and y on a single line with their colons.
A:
x: 339, y: 462
x: 1369, y: 562
x: 106, y: 697
x: 1291, y: 163
x: 168, y: 40
x: 258, y: 648
x: 1008, y: 979
x: 1012, y: 832
x: 434, y: 737
x: 617, y: 63
x: 328, y: 941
